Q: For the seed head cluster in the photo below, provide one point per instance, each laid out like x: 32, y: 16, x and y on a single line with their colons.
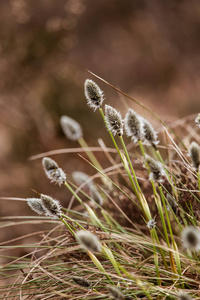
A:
x: 133, y: 126
x: 45, y: 205
x: 93, y: 94
x: 95, y: 195
x: 149, y: 134
x: 151, y: 224
x: 191, y: 238
x: 194, y: 153
x: 81, y: 281
x: 157, y: 172
x: 113, y: 120
x: 184, y: 296
x: 88, y: 241
x: 71, y: 128
x: 115, y: 292
x: 53, y: 172
x: 81, y: 177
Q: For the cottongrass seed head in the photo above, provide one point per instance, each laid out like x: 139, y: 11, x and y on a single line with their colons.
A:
x: 53, y: 172
x: 36, y: 205
x: 115, y: 292
x: 133, y: 125
x: 81, y: 281
x: 184, y: 296
x: 194, y: 153
x: 197, y: 120
x: 191, y: 238
x: 113, y: 120
x: 88, y: 241
x: 71, y: 128
x: 81, y: 177
x: 52, y: 207
x: 95, y: 195
x: 172, y: 203
x: 157, y: 172
x: 149, y: 134
x: 93, y: 94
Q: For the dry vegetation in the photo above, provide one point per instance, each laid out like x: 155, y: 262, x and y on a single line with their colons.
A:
x: 129, y: 232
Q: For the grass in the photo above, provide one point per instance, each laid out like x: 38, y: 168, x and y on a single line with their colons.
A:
x: 140, y: 261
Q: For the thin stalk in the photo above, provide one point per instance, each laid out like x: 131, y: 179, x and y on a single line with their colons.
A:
x: 116, y: 146
x: 66, y: 224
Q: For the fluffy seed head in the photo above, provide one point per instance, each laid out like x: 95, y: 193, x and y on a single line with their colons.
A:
x: 172, y: 203
x: 53, y: 172
x: 81, y: 281
x: 197, y: 120
x: 184, y: 296
x: 151, y: 224
x: 93, y: 94
x: 52, y: 207
x: 95, y: 195
x: 36, y: 205
x: 115, y: 292
x: 194, y: 153
x: 191, y: 238
x: 81, y: 177
x: 71, y: 128
x: 114, y: 120
x: 88, y: 240
x: 149, y: 134
x: 156, y: 169
x: 132, y: 124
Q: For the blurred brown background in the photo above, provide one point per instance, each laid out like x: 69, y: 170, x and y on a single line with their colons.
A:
x: 150, y: 49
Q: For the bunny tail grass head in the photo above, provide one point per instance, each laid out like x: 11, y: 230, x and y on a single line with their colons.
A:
x: 93, y: 94
x: 36, y: 205
x: 52, y: 207
x: 53, y: 172
x: 197, y: 120
x: 81, y: 281
x: 133, y: 125
x: 88, y: 241
x: 172, y: 203
x: 114, y: 121
x: 149, y: 134
x: 184, y: 296
x: 194, y: 153
x: 115, y: 292
x: 81, y: 177
x: 95, y: 195
x: 191, y: 238
x: 157, y: 172
x: 71, y: 128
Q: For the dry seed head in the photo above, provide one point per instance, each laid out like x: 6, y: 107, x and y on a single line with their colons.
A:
x: 71, y: 128
x: 191, y: 238
x: 53, y: 172
x: 151, y: 224
x: 81, y: 281
x: 149, y: 134
x: 115, y: 292
x: 114, y: 121
x: 184, y: 296
x: 88, y: 240
x: 52, y: 207
x: 81, y: 177
x: 197, y: 120
x: 93, y: 94
x: 172, y: 203
x: 156, y: 169
x: 194, y: 153
x: 132, y: 124
x: 36, y: 205
x: 95, y: 195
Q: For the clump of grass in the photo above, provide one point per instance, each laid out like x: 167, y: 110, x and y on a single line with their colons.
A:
x: 117, y: 250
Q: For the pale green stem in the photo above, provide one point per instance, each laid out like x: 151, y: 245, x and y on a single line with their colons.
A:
x: 130, y: 164
x: 115, y: 144
x: 68, y: 218
x: 66, y: 224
